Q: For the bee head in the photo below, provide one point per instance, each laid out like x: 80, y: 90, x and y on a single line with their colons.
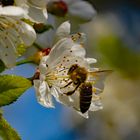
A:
x: 77, y: 74
x: 72, y: 68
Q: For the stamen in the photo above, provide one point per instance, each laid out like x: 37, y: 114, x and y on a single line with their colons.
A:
x: 63, y: 69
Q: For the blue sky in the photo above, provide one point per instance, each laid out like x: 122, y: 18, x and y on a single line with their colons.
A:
x: 33, y: 121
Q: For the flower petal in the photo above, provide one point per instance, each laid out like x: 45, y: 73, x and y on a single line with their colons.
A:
x: 63, y: 30
x: 38, y: 15
x: 27, y: 34
x: 7, y: 52
x: 35, y: 10
x: 60, y: 97
x: 38, y: 3
x: 82, y: 10
x: 62, y: 46
x: 78, y: 50
x: 95, y: 105
x: 42, y: 65
x: 23, y: 4
x: 85, y: 115
x: 91, y: 60
x: 12, y: 11
x: 15, y: 37
x: 43, y: 94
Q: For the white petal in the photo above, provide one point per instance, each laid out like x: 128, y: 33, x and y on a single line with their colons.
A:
x: 38, y: 3
x: 75, y: 60
x: 55, y: 93
x: 43, y: 93
x: 78, y: 50
x: 63, y: 30
x: 65, y: 48
x: 85, y: 115
x: 60, y: 97
x: 7, y: 52
x: 45, y: 13
x: 42, y: 66
x: 95, y: 106
x: 12, y: 11
x: 15, y: 36
x: 59, y: 49
x: 91, y: 60
x: 38, y: 15
x: 28, y: 35
x: 82, y: 10
x: 36, y: 10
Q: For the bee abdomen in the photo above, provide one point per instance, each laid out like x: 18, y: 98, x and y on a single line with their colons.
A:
x: 85, y: 96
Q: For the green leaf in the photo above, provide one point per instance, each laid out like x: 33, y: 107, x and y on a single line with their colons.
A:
x: 6, y: 131
x: 2, y: 66
x: 120, y: 57
x: 12, y: 87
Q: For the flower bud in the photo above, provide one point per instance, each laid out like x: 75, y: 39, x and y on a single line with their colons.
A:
x: 57, y: 8
x: 37, y: 56
x: 41, y: 27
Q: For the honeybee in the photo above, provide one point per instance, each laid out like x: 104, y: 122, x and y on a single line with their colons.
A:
x: 78, y: 76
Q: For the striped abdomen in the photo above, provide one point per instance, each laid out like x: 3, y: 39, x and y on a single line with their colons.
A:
x: 85, y: 96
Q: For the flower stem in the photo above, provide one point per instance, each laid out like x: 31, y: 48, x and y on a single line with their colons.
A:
x: 25, y: 61
x: 37, y: 46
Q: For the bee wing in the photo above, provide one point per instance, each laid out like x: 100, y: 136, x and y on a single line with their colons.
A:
x: 98, y: 78
x: 100, y: 72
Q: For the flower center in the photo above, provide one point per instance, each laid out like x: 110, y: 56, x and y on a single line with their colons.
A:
x: 46, y: 51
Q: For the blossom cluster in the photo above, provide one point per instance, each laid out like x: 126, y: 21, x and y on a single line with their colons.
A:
x: 16, y: 32
x: 64, y: 73
x: 55, y: 80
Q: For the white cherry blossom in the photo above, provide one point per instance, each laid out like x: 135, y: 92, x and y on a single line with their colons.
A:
x: 80, y: 9
x: 15, y: 35
x: 77, y: 11
x: 36, y: 10
x: 54, y: 79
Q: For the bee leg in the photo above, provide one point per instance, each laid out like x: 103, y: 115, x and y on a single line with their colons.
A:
x: 71, y: 92
x: 67, y: 84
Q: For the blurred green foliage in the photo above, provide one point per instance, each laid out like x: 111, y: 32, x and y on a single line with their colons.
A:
x: 118, y: 56
x: 6, y: 131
